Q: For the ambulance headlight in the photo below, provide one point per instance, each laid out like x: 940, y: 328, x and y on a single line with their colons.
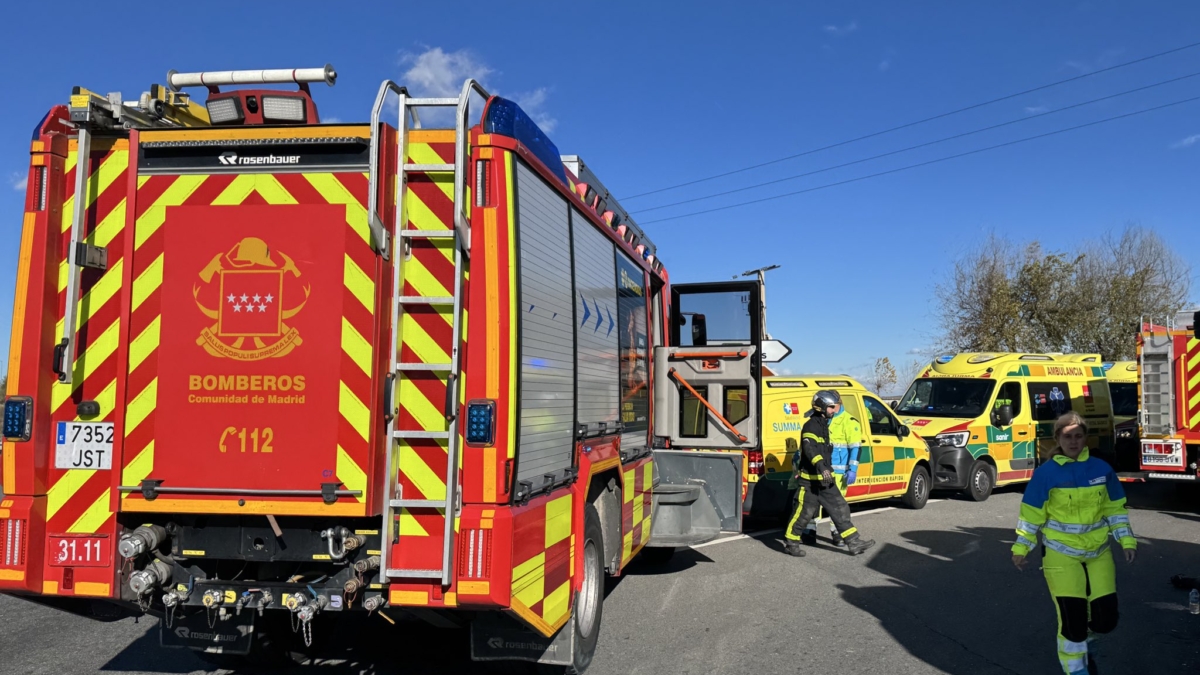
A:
x: 225, y: 110
x: 283, y: 109
x: 957, y: 439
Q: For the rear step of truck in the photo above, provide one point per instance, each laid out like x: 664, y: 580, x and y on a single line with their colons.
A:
x: 420, y: 498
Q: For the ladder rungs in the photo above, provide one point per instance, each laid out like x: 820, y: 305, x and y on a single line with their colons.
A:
x: 427, y: 234
x: 423, y: 574
x: 424, y: 366
x: 426, y: 300
x: 417, y: 504
x: 429, y: 102
x: 401, y: 433
x: 428, y: 167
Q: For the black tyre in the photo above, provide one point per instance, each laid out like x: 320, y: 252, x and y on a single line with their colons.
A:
x: 981, y: 480
x: 658, y: 555
x: 918, y: 489
x: 589, y: 602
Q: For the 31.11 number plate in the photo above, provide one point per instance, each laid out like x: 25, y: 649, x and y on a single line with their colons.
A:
x: 84, y: 445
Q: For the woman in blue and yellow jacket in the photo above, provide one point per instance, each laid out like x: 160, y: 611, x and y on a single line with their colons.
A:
x: 1076, y: 502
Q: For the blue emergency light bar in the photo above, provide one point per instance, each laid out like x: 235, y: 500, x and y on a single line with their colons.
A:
x: 507, y: 119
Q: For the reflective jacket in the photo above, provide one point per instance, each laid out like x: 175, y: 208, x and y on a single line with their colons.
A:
x: 845, y: 434
x: 1076, y: 505
x: 815, y: 449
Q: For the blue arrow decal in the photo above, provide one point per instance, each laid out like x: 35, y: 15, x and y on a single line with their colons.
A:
x: 599, y: 317
x: 611, y: 323
x: 531, y: 308
x: 586, y: 312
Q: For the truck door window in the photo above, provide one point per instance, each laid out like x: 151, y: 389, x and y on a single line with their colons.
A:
x: 1049, y: 400
x: 716, y: 318
x: 882, y: 422
x: 693, y: 416
x: 737, y: 404
x: 1011, y: 391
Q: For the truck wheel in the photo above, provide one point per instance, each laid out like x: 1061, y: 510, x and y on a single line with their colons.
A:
x: 918, y: 489
x: 589, y: 602
x: 980, y: 481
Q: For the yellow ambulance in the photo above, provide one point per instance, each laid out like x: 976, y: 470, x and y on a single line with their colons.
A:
x: 1123, y: 385
x: 893, y: 462
x: 989, y: 417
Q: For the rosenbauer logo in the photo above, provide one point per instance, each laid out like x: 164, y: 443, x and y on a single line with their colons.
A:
x: 252, y: 286
x: 233, y: 159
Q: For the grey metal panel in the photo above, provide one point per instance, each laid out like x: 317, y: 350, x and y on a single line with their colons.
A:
x: 547, y: 389
x: 595, y: 327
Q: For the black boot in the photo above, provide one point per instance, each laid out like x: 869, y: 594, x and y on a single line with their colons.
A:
x: 837, y: 539
x: 793, y: 548
x: 809, y: 537
x: 1091, y: 667
x: 857, y: 545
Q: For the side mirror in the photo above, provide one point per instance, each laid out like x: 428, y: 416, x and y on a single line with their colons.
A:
x: 1002, y: 416
x: 895, y: 404
x: 699, y: 331
x: 904, y: 431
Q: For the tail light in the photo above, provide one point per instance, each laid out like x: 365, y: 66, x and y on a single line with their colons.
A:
x: 13, y: 544
x: 754, y: 460
x: 474, y: 554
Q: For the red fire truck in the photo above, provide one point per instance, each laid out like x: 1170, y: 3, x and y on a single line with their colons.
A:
x: 1169, y: 388
x: 266, y: 372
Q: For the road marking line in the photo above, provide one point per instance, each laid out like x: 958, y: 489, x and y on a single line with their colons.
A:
x: 757, y: 533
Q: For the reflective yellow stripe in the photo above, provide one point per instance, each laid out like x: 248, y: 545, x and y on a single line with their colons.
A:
x: 156, y: 215
x: 98, y: 182
x: 144, y: 344
x: 354, y: 411
x: 813, y: 437
x: 423, y: 218
x: 409, y: 525
x: 423, y: 282
x: 68, y: 485
x: 87, y: 363
x: 140, y: 406
x: 817, y: 458
x: 427, y: 415
x: 96, y: 297
x: 139, y: 468
x: 146, y: 283
x: 262, y: 183
x: 351, y: 474
x: 334, y: 192
x: 423, y: 153
x: 103, y: 235
x: 360, y: 285
x: 94, y: 516
x: 558, y: 520
x: 428, y: 483
x: 356, y: 347
x: 847, y: 533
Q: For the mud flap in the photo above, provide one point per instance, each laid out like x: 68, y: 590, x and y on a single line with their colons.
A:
x: 499, y: 637
x: 697, y: 496
x: 230, y: 634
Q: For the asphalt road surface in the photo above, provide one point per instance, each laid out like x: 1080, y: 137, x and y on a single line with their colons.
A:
x: 937, y: 594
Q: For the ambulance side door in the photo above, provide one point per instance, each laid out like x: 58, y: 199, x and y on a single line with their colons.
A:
x: 892, y: 449
x: 1047, y: 400
x: 861, y: 488
x: 1019, y: 436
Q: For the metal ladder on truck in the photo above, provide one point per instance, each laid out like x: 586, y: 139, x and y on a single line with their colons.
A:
x: 394, y: 501
x: 1156, y: 371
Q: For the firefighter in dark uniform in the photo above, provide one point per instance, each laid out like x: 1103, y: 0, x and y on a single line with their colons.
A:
x: 817, y: 487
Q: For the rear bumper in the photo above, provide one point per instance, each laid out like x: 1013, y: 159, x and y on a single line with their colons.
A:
x: 1146, y: 476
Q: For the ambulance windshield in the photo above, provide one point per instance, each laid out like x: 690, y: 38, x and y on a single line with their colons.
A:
x: 947, y: 397
x: 1124, y: 398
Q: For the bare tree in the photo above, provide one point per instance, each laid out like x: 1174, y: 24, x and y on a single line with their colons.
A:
x: 883, y: 377
x: 908, y: 372
x: 1001, y: 297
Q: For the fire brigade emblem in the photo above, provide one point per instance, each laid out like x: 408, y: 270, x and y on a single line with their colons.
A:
x: 251, y: 282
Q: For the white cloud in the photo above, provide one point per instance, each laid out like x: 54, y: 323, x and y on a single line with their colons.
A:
x: 18, y: 180
x: 917, y: 351
x: 1036, y: 109
x: 1187, y: 142
x: 839, y: 31
x: 438, y: 73
x: 331, y: 120
x: 435, y: 72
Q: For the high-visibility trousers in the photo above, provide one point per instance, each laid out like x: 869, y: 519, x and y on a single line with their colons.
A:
x: 1085, y: 596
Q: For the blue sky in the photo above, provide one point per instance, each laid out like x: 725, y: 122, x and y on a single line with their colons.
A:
x: 654, y: 94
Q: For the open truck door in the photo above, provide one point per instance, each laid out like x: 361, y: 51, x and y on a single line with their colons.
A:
x: 706, y: 402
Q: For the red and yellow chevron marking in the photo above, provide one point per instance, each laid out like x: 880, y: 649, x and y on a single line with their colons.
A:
x: 79, y: 501
x: 155, y: 196
x: 426, y: 335
x: 1191, y: 384
x: 543, y: 550
x: 637, y: 480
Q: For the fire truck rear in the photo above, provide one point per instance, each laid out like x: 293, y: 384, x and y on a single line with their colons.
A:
x: 1169, y: 387
x: 266, y: 372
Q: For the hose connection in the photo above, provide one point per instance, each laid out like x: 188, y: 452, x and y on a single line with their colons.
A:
x: 155, y: 575
x: 142, y: 540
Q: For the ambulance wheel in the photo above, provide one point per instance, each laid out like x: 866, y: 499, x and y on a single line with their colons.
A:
x: 918, y: 489
x: 980, y: 481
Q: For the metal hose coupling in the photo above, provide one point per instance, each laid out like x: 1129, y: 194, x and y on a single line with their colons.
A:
x: 142, y: 540
x: 152, y: 576
x: 336, y: 539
